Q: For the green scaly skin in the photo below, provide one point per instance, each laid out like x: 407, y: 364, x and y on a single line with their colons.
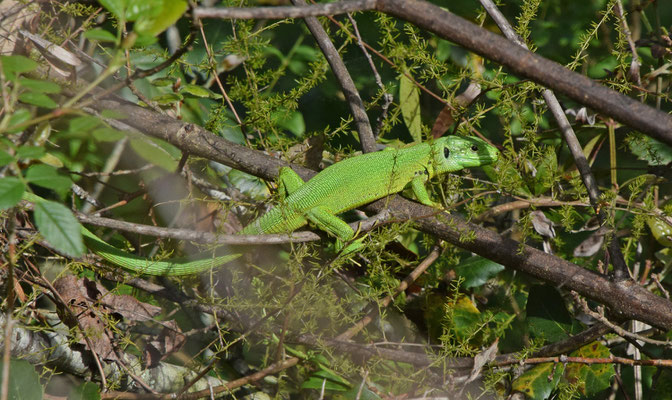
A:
x: 341, y: 187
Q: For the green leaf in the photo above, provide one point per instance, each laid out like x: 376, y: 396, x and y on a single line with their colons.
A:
x: 592, y: 378
x: 39, y: 86
x: 139, y: 9
x: 169, y: 12
x: 116, y: 8
x: 85, y: 391
x: 290, y: 120
x: 650, y: 150
x: 11, y: 191
x: 547, y: 315
x: 476, y: 270
x: 15, y: 65
x: 167, y: 98
x: 18, y: 117
x: 30, y: 152
x: 160, y: 82
x: 37, y: 99
x: 538, y: 382
x: 409, y: 100
x: 466, y: 318
x: 100, y: 35
x: 545, y: 177
x: 107, y: 134
x: 198, y: 91
x: 5, y: 158
x: 83, y: 124
x: 24, y: 382
x: 365, y: 394
x: 154, y: 153
x: 59, y: 227
x: 48, y: 177
x: 316, y: 383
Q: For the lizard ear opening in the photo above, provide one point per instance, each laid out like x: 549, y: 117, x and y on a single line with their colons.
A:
x: 446, y: 152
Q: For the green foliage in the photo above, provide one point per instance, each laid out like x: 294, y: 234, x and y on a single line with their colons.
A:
x: 409, y: 100
x: 547, y: 315
x: 280, y: 97
x: 11, y: 190
x: 59, y: 227
x: 23, y: 382
x: 85, y: 391
x: 539, y: 382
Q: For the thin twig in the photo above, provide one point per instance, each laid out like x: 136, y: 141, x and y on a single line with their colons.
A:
x: 300, y: 11
x: 403, y: 285
x: 387, y: 97
x: 366, y: 138
x: 215, y: 238
x: 617, y: 329
x: 588, y: 361
x: 634, y: 64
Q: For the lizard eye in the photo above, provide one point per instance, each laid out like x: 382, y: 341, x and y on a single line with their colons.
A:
x: 446, y: 152
x: 474, y: 148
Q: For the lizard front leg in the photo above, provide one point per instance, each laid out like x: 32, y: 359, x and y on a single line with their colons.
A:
x: 420, y: 192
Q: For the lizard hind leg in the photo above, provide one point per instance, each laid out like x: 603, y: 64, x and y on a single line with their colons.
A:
x: 288, y: 182
x: 325, y: 220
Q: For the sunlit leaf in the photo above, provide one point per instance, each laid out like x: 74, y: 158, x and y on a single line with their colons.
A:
x: 538, y: 382
x: 11, y: 191
x: 59, y: 227
x: 409, y: 100
x: 592, y: 378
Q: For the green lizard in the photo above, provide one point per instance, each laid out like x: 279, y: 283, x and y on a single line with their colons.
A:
x: 340, y: 187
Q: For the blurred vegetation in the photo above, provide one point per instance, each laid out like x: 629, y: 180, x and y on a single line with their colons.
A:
x: 291, y: 106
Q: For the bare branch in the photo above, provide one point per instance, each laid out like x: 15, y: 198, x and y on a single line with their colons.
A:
x: 345, y: 80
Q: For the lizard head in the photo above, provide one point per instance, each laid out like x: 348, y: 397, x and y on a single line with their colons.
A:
x: 452, y: 153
